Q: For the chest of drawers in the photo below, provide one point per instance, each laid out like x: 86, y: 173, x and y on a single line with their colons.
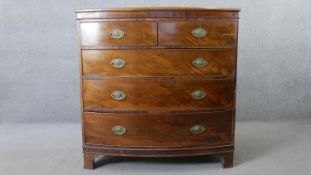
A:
x: 158, y: 82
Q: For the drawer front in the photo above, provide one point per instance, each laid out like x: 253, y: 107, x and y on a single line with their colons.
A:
x: 131, y: 130
x: 197, y: 33
x: 166, y: 94
x: 148, y: 62
x: 118, y: 33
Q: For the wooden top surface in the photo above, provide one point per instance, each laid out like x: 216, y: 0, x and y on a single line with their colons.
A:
x: 160, y: 9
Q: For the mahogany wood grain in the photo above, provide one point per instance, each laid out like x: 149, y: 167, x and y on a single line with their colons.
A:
x: 175, y: 33
x: 136, y: 33
x: 157, y: 94
x: 141, y: 13
x: 158, y: 79
x: 89, y: 160
x: 160, y: 62
x: 148, y: 9
x: 157, y: 151
x: 158, y: 130
x: 225, y: 153
x: 227, y: 159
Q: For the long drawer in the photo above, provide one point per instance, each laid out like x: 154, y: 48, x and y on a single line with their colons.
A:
x: 202, y: 129
x: 163, y: 94
x: 161, y: 62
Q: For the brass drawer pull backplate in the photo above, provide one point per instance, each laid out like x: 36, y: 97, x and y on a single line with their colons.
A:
x: 119, y: 130
x: 198, y: 94
x: 118, y: 95
x: 117, y: 34
x: 118, y: 63
x: 199, y: 62
x: 197, y: 129
x: 199, y: 32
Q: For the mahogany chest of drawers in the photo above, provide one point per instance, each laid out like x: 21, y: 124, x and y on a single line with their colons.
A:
x: 158, y: 82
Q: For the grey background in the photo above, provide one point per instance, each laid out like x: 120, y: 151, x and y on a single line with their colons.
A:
x: 39, y: 57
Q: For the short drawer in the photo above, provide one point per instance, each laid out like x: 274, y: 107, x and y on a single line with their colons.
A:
x: 165, y: 94
x: 161, y: 62
x: 117, y: 33
x: 197, y: 33
x: 134, y: 130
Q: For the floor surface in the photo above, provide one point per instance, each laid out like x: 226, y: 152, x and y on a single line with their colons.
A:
x: 262, y: 148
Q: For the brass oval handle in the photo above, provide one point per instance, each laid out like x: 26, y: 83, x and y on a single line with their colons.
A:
x: 197, y: 129
x: 198, y: 94
x: 119, y: 130
x: 118, y: 63
x: 199, y: 62
x: 118, y: 95
x: 199, y: 32
x: 117, y: 34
